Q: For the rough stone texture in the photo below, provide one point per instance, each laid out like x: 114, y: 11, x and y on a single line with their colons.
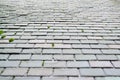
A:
x: 92, y: 72
x: 54, y: 78
x: 5, y: 78
x: 27, y: 78
x: 60, y: 40
x: 66, y: 72
x: 40, y: 72
x: 15, y: 72
x: 19, y: 57
x: 9, y: 63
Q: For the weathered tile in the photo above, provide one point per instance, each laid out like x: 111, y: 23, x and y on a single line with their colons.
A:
x: 19, y: 57
x: 85, y: 57
x: 58, y: 64
x: 27, y: 78
x: 31, y: 64
x: 54, y: 78
x: 52, y: 51
x: 12, y: 50
x: 110, y: 51
x: 116, y: 63
x: 5, y: 78
x: 112, y: 72
x: 92, y: 72
x: 107, y: 78
x: 40, y: 72
x: 15, y: 72
x: 3, y: 56
x: 9, y: 63
x: 24, y: 45
x: 81, y: 78
x: 100, y: 64
x: 71, y: 51
x: 41, y: 57
x: 78, y: 64
x: 34, y: 51
x: 106, y: 57
x: 63, y: 57
x: 91, y: 51
x: 66, y: 72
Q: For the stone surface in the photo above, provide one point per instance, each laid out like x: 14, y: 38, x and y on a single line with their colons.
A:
x: 100, y: 64
x: 31, y: 64
x: 5, y: 78
x: 27, y: 78
x: 114, y: 72
x: 19, y: 57
x: 60, y: 40
x: 77, y: 64
x: 54, y: 78
x: 40, y: 72
x: 15, y: 72
x: 66, y: 72
x: 9, y: 63
x: 92, y: 72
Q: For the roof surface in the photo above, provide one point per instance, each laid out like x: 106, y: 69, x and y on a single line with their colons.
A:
x: 60, y: 40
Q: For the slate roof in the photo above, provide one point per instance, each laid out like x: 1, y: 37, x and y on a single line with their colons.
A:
x: 60, y: 40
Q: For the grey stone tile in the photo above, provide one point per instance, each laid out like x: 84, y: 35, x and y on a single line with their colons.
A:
x: 19, y: 57
x: 106, y: 57
x: 31, y: 64
x: 65, y: 46
x: 63, y: 57
x: 91, y: 72
x: 100, y: 64
x: 71, y: 41
x: 5, y: 78
x: 112, y: 72
x: 99, y: 46
x: 107, y: 78
x: 114, y: 46
x: 116, y: 63
x: 54, y: 78
x: 14, y: 72
x: 80, y: 46
x: 58, y: 64
x: 9, y: 63
x: 52, y: 51
x: 24, y: 45
x: 27, y: 78
x: 7, y: 45
x: 40, y: 72
x: 43, y: 46
x: 54, y: 41
x: 91, y: 51
x: 28, y: 37
x: 61, y: 38
x: 66, y: 72
x: 81, y: 78
x: 85, y: 57
x: 71, y: 51
x: 36, y: 41
x: 110, y: 51
x: 118, y: 56
x: 20, y: 41
x: 34, y: 51
x: 3, y: 56
x: 89, y: 41
x: 78, y: 64
x: 41, y: 57
x: 12, y: 50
